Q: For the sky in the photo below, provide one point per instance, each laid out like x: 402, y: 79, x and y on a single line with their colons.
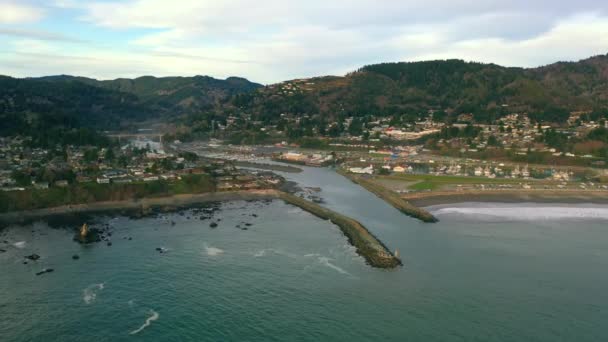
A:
x: 268, y: 41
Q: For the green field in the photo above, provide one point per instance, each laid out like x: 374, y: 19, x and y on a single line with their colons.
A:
x: 430, y: 182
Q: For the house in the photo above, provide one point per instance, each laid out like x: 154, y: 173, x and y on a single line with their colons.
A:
x: 61, y: 183
x: 103, y: 180
x: 399, y: 169
x: 362, y: 170
x: 40, y: 185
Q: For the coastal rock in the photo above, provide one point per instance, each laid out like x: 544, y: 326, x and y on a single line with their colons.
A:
x: 75, y: 257
x: 46, y: 270
x: 33, y: 257
x: 86, y: 235
x: 109, y: 244
x: 213, y: 225
x: 2, y: 251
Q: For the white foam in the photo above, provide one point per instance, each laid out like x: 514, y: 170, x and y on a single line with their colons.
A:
x: 89, y: 295
x: 259, y: 254
x: 20, y: 244
x: 528, y: 213
x: 269, y: 251
x: 325, y: 261
x: 213, y: 251
x: 154, y: 316
x: 311, y: 255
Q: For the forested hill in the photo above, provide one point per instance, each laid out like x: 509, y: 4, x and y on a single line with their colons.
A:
x: 486, y: 90
x: 174, y: 94
x: 57, y: 104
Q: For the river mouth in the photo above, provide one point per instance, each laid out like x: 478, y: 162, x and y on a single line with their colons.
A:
x: 293, y: 276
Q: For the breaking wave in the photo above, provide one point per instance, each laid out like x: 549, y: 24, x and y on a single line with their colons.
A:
x: 213, y: 251
x: 20, y: 244
x: 272, y: 251
x: 527, y: 213
x: 325, y: 261
x: 90, y: 293
x: 153, y: 317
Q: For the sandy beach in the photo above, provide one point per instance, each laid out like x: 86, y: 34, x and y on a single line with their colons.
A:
x: 424, y: 199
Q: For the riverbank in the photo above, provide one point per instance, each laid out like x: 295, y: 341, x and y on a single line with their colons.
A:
x: 368, y: 246
x: 391, y: 198
x: 424, y: 199
x: 268, y: 167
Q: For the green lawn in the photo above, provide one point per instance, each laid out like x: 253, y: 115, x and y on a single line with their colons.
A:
x: 455, y: 179
x: 424, y: 185
x: 431, y: 182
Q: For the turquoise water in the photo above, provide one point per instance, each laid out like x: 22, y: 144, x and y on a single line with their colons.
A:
x: 527, y: 272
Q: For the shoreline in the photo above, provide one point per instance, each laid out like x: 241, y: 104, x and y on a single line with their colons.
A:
x: 426, y: 199
x: 142, y: 206
x: 367, y: 245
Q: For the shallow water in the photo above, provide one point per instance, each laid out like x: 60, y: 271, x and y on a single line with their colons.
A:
x: 292, y: 276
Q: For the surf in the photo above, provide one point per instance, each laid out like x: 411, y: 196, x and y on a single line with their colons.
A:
x: 153, y: 317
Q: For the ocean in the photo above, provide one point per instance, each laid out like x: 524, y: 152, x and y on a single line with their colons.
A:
x: 272, y: 272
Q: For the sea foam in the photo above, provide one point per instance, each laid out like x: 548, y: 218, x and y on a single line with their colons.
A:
x: 20, y: 244
x: 325, y: 261
x: 213, y: 251
x: 153, y: 317
x: 89, y: 295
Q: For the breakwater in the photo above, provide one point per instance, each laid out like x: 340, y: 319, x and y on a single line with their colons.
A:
x: 391, y: 198
x: 367, y: 245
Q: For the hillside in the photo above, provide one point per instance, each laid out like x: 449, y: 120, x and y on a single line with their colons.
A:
x: 486, y: 90
x: 30, y: 106
x: 173, y: 94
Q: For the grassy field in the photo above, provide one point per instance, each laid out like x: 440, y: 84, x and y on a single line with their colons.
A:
x: 431, y: 182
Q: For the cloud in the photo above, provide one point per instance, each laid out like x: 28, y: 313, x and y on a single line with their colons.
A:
x: 36, y: 34
x: 273, y: 40
x: 12, y: 12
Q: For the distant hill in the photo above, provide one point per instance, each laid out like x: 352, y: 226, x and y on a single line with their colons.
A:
x: 36, y: 106
x: 486, y: 90
x: 30, y: 105
x: 173, y: 94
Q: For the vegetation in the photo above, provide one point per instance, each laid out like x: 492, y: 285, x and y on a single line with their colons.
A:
x: 68, y: 110
x: 84, y: 193
x: 405, y: 89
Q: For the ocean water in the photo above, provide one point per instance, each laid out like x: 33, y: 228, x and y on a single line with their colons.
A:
x: 485, y: 272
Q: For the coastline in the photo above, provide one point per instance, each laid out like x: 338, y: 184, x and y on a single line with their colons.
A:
x: 142, y: 206
x: 426, y: 199
x: 367, y: 245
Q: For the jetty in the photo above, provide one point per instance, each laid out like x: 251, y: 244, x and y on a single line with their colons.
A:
x: 368, y: 246
x: 391, y: 198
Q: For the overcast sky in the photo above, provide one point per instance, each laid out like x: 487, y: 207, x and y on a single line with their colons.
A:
x: 272, y: 40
